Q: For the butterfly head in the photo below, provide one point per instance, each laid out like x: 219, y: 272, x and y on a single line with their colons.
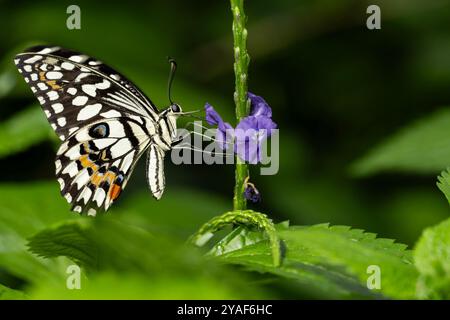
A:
x: 175, y: 108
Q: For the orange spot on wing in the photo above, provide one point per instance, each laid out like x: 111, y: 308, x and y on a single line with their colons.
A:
x: 53, y: 85
x: 50, y: 83
x: 114, y: 192
x: 110, y: 176
x: 96, y: 179
x: 87, y: 163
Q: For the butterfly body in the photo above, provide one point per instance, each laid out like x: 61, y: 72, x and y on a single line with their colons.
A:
x: 105, y: 124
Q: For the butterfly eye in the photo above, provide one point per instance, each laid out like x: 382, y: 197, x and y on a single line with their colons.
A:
x: 175, y: 108
x: 100, y: 130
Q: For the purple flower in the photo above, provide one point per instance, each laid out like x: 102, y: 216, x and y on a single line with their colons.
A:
x: 251, y: 193
x: 212, y: 117
x: 259, y: 106
x: 224, y: 134
x: 250, y: 132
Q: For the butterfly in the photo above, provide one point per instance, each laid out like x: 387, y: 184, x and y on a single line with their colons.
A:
x: 105, y: 124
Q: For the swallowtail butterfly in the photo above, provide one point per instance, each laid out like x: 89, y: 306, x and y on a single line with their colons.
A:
x: 105, y: 124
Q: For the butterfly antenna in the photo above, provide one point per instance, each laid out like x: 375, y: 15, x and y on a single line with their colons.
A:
x: 173, y: 68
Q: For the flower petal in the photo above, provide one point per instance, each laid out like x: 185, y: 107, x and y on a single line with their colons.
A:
x: 259, y: 106
x: 212, y: 117
x: 224, y: 135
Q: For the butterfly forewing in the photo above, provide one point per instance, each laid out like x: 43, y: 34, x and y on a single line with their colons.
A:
x: 104, y: 121
x: 75, y: 89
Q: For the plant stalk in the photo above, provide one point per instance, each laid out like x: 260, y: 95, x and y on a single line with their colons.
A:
x: 241, y: 62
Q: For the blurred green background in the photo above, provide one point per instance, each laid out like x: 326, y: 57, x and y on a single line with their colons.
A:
x: 336, y: 89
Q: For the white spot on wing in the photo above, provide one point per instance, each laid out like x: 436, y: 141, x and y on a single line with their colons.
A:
x: 52, y: 95
x: 89, y: 89
x: 61, y: 183
x: 33, y: 59
x: 68, y: 197
x: 80, y: 101
x: 81, y: 76
x: 127, y: 161
x: 58, y: 166
x: 85, y: 195
x: 61, y: 121
x: 99, y: 196
x: 120, y: 148
x: 104, y: 143
x: 71, y: 169
x: 67, y: 66
x: 89, y: 111
x: 111, y: 114
x: 58, y: 107
x: 72, y: 130
x: 42, y: 86
x: 82, y: 179
x: 78, y: 59
x: 54, y: 75
x: 94, y: 63
x: 48, y: 50
x: 72, y: 90
x: 105, y: 84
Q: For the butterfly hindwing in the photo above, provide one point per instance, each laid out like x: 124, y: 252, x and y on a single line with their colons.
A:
x: 93, y: 166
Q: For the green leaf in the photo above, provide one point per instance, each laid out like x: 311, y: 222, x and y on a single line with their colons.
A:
x: 248, y: 218
x: 432, y: 259
x: 332, y: 259
x: 10, y: 294
x: 67, y: 239
x: 25, y: 209
x: 126, y: 285
x: 24, y: 129
x: 132, y: 260
x: 422, y: 147
x: 444, y: 183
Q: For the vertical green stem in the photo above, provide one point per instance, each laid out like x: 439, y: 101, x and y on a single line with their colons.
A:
x: 241, y: 61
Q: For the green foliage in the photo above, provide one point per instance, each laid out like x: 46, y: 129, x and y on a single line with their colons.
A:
x: 444, y: 183
x: 110, y: 251
x: 24, y: 210
x: 432, y: 259
x: 248, y: 218
x: 421, y: 147
x: 10, y: 294
x: 23, y: 130
x: 331, y: 259
x: 114, y: 250
x: 119, y: 246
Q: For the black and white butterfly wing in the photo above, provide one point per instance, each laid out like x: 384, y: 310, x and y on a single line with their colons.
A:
x: 75, y: 90
x: 104, y: 121
x: 94, y: 165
